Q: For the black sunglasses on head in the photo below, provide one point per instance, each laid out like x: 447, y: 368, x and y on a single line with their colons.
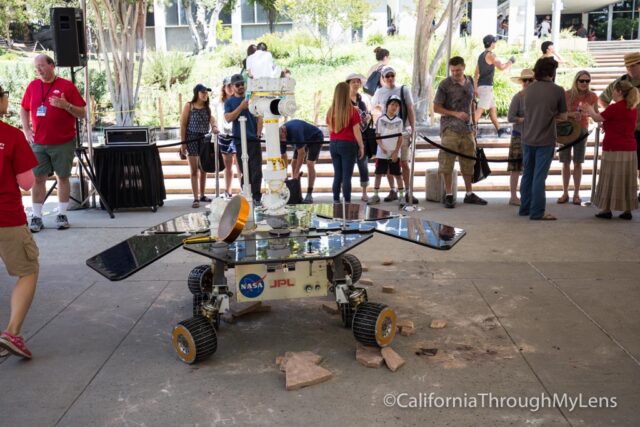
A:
x: 584, y: 81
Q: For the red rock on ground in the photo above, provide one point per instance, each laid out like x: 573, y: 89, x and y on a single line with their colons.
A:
x: 298, y: 356
x: 300, y: 373
x: 438, y: 324
x: 369, y: 356
x: 366, y: 282
x: 388, y: 290
x: 392, y: 359
x: 387, y: 262
x: 405, y: 327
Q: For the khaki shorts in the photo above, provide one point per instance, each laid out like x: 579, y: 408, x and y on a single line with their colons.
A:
x: 486, y: 100
x: 19, y: 251
x: 462, y: 143
x: 405, y: 151
x: 54, y: 158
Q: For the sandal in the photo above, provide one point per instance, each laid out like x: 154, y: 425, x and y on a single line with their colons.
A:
x: 604, y: 215
x: 577, y: 200
x: 514, y: 202
x: 562, y: 199
x: 364, y: 198
x: 195, y: 204
x: 545, y: 217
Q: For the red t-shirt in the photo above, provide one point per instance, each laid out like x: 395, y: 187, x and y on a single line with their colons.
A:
x: 346, y: 134
x: 58, y: 125
x: 589, y: 98
x: 619, y: 127
x: 16, y: 157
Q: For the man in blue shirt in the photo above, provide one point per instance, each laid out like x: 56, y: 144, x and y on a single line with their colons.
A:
x: 308, y: 140
x: 237, y: 106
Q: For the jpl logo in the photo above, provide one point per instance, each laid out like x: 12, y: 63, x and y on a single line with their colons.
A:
x: 277, y: 283
x: 251, y: 285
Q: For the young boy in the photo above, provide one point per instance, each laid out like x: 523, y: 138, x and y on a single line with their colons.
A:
x: 388, y: 149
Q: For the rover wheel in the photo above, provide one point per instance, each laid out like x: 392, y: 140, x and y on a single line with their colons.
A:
x: 194, y: 339
x: 346, y: 313
x: 352, y: 267
x: 200, y: 280
x: 374, y: 324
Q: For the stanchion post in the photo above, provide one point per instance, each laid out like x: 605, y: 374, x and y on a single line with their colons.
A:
x: 246, y: 186
x: 214, y: 139
x: 161, y: 114
x: 410, y: 205
x: 594, y: 172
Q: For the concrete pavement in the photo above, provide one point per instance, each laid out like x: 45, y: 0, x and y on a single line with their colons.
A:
x: 532, y: 308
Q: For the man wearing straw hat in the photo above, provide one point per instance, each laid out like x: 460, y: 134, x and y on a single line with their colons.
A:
x: 516, y: 116
x: 632, y: 63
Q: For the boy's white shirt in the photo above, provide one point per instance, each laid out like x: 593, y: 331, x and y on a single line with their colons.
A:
x: 388, y: 126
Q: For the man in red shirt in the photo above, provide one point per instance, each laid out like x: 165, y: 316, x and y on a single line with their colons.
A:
x: 18, y: 251
x: 52, y: 104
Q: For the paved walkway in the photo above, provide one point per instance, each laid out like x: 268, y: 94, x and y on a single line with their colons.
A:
x: 532, y: 307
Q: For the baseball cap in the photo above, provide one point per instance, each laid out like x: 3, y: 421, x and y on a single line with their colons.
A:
x: 387, y: 70
x: 237, y: 78
x: 488, y: 39
x: 226, y: 80
x: 201, y: 88
x: 393, y: 98
x: 354, y: 76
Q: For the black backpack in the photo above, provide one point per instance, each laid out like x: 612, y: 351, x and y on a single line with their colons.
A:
x: 373, y: 82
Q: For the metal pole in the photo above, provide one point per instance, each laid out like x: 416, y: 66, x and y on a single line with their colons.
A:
x: 87, y: 98
x: 214, y: 138
x: 410, y: 206
x: 449, y: 33
x: 246, y: 186
x: 527, y: 28
x: 594, y: 173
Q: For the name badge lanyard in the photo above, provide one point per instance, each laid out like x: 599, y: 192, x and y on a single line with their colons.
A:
x: 44, y: 97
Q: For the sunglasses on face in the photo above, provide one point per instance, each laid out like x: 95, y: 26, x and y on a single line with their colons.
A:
x: 389, y: 76
x: 584, y: 81
x: 527, y: 80
x: 239, y: 84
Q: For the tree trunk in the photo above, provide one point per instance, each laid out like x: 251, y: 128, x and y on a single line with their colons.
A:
x: 212, y: 32
x: 123, y: 23
x: 424, y: 32
x: 193, y: 28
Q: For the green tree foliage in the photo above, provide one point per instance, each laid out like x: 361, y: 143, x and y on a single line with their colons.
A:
x: 323, y: 17
x: 11, y: 11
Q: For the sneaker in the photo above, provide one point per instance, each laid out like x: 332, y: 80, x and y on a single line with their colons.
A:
x: 393, y: 195
x: 227, y: 195
x: 14, y: 345
x: 501, y: 132
x: 308, y: 198
x: 62, y: 222
x: 205, y: 199
x: 449, y: 202
x: 414, y: 200
x: 625, y: 215
x: 36, y: 224
x: 474, y: 199
x: 374, y: 200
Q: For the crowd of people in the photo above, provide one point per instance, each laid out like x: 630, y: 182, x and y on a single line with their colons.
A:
x: 367, y: 118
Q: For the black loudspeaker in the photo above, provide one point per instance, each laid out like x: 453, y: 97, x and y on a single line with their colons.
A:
x: 68, y: 36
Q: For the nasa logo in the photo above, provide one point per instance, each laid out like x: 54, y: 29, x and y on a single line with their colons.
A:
x: 251, y: 285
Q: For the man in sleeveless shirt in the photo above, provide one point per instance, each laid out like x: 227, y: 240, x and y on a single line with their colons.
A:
x: 483, y: 81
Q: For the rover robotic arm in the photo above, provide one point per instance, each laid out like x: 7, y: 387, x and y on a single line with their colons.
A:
x: 270, y: 99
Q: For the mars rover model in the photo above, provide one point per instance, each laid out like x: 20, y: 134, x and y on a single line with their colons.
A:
x: 276, y: 252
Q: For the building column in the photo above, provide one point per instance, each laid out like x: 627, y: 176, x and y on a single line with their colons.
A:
x: 484, y: 16
x: 609, y: 22
x: 556, y: 11
x: 159, y: 26
x: 585, y: 20
x: 522, y: 16
x: 236, y: 24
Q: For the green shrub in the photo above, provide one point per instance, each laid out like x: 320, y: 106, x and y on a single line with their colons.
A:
x: 375, y: 39
x: 164, y: 69
x: 228, y: 56
x: 289, y: 44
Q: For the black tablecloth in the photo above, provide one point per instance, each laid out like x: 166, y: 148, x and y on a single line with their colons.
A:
x: 130, y: 177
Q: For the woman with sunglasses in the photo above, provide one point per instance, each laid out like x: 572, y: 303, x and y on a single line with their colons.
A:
x: 225, y: 142
x: 195, y: 121
x: 346, y: 144
x: 516, y: 116
x: 578, y: 97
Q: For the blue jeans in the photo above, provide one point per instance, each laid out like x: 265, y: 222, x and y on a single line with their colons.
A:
x: 343, y: 156
x: 536, y: 164
x: 363, y: 170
